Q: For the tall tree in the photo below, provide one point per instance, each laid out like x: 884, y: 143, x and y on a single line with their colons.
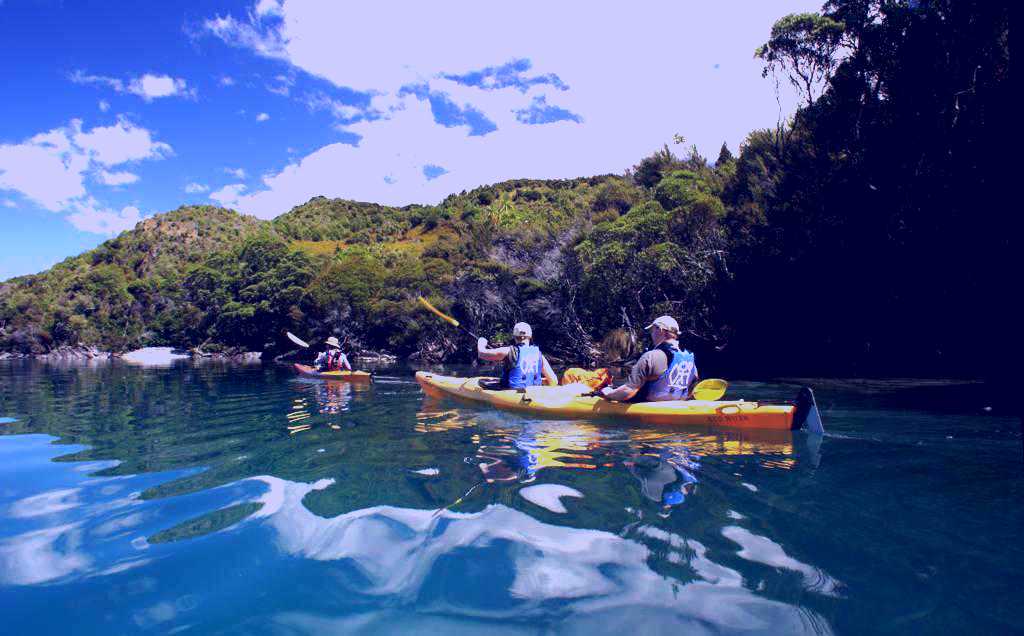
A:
x: 805, y: 47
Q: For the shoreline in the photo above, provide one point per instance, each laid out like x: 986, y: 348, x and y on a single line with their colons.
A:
x: 84, y: 353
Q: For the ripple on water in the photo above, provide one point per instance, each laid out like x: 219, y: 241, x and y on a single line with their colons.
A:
x: 243, y: 499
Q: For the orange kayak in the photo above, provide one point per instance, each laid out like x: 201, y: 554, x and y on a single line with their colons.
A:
x: 341, y: 376
x: 567, y: 401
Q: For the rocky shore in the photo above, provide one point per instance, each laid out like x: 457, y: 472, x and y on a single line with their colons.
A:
x: 84, y: 353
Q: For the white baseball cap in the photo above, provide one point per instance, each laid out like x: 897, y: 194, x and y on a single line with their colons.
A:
x: 333, y: 342
x: 522, y: 329
x: 668, y: 323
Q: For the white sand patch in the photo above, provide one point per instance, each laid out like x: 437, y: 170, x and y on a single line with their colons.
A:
x: 153, y: 356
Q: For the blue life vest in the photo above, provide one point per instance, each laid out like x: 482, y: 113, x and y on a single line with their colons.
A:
x: 674, y: 383
x: 527, y: 371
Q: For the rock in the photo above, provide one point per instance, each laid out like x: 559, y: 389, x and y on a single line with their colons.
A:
x: 375, y: 356
x: 76, y: 352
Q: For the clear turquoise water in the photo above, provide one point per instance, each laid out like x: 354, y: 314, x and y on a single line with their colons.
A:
x: 179, y: 500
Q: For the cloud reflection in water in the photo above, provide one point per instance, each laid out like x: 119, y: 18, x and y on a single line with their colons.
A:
x: 600, y: 579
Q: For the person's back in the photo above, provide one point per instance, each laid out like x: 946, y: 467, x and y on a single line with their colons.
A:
x: 672, y: 370
x: 664, y: 373
x: 522, y: 367
x: 523, y: 364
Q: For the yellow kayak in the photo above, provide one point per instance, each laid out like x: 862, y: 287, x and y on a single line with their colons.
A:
x: 567, y: 402
x: 341, y: 376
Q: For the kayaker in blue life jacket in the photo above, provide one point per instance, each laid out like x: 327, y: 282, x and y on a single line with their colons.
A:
x: 663, y: 373
x: 523, y: 363
x: 332, y: 359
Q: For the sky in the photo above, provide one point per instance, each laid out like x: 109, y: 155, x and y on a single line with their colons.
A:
x: 113, y: 112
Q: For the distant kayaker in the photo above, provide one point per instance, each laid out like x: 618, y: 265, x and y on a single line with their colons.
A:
x: 523, y: 363
x: 332, y: 359
x: 663, y: 373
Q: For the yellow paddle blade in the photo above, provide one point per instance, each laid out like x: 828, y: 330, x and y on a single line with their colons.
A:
x: 710, y: 390
x: 435, y: 310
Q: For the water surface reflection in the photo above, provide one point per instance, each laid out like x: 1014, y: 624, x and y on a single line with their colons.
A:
x: 248, y: 501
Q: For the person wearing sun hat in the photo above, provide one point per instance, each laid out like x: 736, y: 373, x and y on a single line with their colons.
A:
x: 663, y: 373
x: 523, y: 363
x: 332, y: 359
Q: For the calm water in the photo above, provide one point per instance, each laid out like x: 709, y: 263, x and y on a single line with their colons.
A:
x: 223, y: 499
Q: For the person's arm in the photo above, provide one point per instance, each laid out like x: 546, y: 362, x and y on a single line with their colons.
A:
x: 345, y: 363
x: 490, y: 355
x: 319, y: 362
x: 550, y: 378
x: 637, y: 378
x: 618, y: 394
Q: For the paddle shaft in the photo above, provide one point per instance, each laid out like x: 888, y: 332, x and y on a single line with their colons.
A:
x: 445, y: 317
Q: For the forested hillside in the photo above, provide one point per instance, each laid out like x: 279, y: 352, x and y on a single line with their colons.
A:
x: 869, y: 234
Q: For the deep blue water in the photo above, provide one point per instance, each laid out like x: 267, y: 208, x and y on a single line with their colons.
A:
x: 218, y: 499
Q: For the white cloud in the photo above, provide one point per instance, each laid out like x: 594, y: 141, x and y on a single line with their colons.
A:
x: 226, y: 80
x: 251, y: 35
x: 147, y: 86
x: 283, y: 86
x: 155, y: 86
x: 80, y: 77
x: 124, y: 141
x: 45, y: 169
x: 634, y: 83
x: 340, y: 110
x: 104, y: 105
x: 8, y: 203
x: 238, y: 173
x: 195, y: 188
x: 262, y: 117
x: 116, y: 178
x: 92, y: 217
x: 50, y: 169
x: 228, y: 195
x: 269, y: 7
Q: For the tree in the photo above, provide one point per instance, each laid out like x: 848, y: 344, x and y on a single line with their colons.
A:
x: 805, y: 47
x: 724, y: 156
x: 650, y: 169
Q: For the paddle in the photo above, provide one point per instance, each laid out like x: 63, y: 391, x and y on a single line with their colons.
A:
x: 710, y: 390
x: 445, y: 317
x: 296, y: 339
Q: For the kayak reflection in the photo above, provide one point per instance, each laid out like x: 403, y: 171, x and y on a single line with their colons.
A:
x: 323, y: 398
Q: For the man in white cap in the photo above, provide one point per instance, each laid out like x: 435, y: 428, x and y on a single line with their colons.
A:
x: 332, y: 359
x: 663, y: 373
x: 523, y: 363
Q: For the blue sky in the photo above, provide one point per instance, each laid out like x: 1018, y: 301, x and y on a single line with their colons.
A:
x: 117, y: 111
